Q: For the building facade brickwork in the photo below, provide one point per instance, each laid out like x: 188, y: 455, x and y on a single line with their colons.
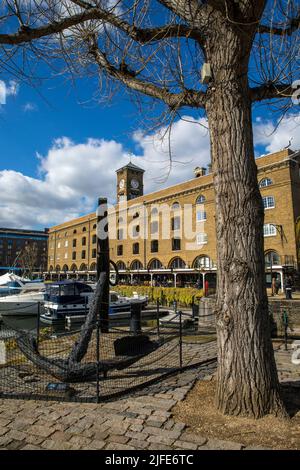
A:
x: 170, y: 234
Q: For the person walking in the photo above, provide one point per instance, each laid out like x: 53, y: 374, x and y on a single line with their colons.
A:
x: 288, y: 288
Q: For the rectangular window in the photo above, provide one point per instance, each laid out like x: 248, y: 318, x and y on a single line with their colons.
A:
x: 58, y: 245
x: 136, y: 248
x: 74, y: 243
x: 269, y: 202
x: 94, y: 253
x: 94, y: 239
x: 74, y: 255
x: 154, y: 246
x: 269, y: 230
x: 83, y: 254
x: 66, y: 255
x: 66, y: 243
x: 201, y: 238
x: 120, y: 235
x: 120, y: 250
x: 175, y: 223
x: 176, y: 244
x: 154, y: 227
x: 201, y: 215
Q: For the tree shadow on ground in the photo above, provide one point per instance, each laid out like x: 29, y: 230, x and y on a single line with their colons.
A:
x: 291, y: 396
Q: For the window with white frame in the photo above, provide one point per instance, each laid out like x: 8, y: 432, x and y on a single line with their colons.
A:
x: 269, y: 230
x: 66, y: 243
x: 201, y: 215
x: 201, y: 238
x: 269, y: 202
x: 265, y: 182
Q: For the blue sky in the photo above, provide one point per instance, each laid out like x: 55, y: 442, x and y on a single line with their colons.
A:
x: 59, y: 150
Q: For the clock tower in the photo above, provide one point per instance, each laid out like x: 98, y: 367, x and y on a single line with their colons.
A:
x: 129, y: 182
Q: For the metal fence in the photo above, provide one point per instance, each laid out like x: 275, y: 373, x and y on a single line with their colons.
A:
x: 38, y: 364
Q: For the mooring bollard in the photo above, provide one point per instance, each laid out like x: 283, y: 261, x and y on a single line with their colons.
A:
x: 180, y: 339
x: 135, y: 318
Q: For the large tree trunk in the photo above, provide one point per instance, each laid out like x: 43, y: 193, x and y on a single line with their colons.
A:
x: 247, y: 382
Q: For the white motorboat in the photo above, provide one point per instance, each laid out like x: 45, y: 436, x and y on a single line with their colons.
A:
x: 21, y: 296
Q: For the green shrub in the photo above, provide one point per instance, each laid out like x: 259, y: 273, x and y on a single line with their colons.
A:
x: 165, y: 295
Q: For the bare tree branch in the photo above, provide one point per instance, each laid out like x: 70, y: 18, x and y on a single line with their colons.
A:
x: 271, y: 91
x: 128, y: 77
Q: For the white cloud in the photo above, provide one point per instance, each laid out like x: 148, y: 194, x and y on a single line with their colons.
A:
x: 8, y: 89
x: 274, y: 138
x: 29, y: 107
x: 73, y: 175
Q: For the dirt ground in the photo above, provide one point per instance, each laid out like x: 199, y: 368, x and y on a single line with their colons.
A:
x: 199, y: 413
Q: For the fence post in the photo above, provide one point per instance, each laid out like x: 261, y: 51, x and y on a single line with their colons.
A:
x: 38, y: 326
x: 157, y: 317
x: 98, y: 360
x: 180, y: 339
x: 103, y: 260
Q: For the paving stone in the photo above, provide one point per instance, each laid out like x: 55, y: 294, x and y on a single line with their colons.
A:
x: 192, y: 437
x: 100, y: 435
x: 118, y: 439
x: 4, y: 421
x: 79, y: 441
x: 137, y: 435
x: 56, y: 445
x: 61, y: 436
x: 31, y: 447
x: 136, y: 427
x: 155, y: 424
x: 15, y: 445
x: 161, y: 440
x: 17, y: 435
x: 179, y: 426
x: 138, y: 444
x: 4, y: 441
x: 41, y: 431
x: 96, y: 445
x: 3, y: 431
x: 185, y: 445
x: 156, y: 446
x: 162, y: 432
x: 34, y: 440
x: 117, y: 446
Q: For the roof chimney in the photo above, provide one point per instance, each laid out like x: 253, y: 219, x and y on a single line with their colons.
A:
x: 199, y: 171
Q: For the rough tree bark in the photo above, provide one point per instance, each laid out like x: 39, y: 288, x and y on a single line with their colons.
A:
x: 247, y: 382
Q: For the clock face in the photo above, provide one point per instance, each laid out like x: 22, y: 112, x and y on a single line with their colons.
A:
x: 134, y: 183
x: 122, y: 183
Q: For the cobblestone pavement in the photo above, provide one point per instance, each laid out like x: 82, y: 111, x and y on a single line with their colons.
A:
x: 141, y: 421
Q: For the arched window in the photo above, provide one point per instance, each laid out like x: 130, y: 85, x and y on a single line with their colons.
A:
x: 177, y: 263
x: 154, y: 211
x: 93, y: 267
x: 84, y: 229
x: 51, y: 268
x: 202, y: 262
x: 120, y: 220
x: 265, y: 182
x: 74, y: 267
x: 121, y: 266
x: 83, y: 267
x: 272, y: 258
x: 75, y: 231
x: 57, y: 269
x: 65, y: 268
x: 200, y: 199
x: 135, y: 265
x: 175, y: 206
x: 94, y: 226
x: 83, y: 241
x: 155, y: 264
